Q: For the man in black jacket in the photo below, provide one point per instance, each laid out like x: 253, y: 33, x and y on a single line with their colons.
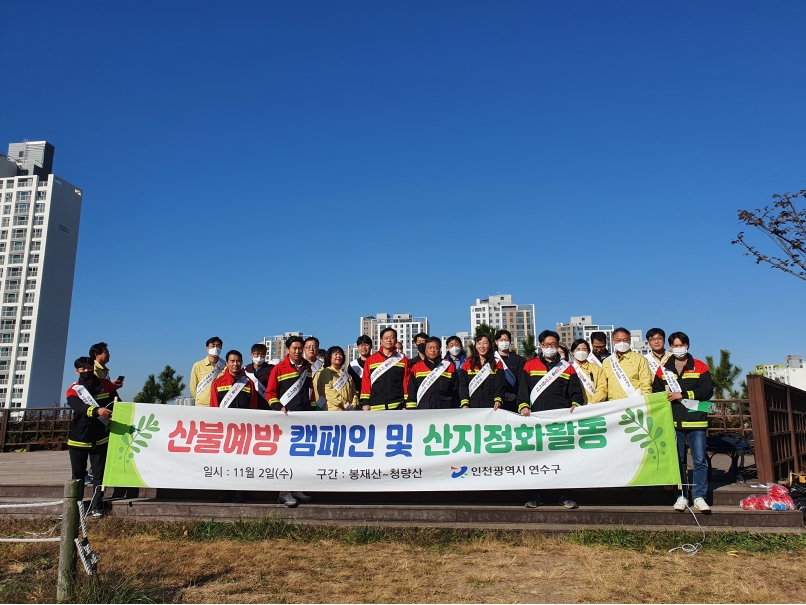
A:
x: 91, y: 399
x: 439, y: 376
x: 513, y: 369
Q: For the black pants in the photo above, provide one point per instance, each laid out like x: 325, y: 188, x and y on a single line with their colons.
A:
x: 78, y: 463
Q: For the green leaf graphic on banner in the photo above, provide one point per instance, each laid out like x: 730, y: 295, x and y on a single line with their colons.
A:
x: 659, y: 464
x: 127, y: 439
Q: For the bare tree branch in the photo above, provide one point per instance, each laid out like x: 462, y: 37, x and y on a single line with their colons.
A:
x: 785, y: 225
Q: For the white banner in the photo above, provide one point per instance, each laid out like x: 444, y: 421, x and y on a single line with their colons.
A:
x: 611, y: 444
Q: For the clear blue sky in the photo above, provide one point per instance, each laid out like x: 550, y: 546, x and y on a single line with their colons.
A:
x: 251, y: 168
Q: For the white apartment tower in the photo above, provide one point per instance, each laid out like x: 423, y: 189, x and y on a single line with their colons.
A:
x: 407, y: 328
x: 501, y: 313
x: 38, y: 241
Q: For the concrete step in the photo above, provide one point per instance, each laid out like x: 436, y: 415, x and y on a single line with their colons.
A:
x: 469, y: 515
x: 721, y: 494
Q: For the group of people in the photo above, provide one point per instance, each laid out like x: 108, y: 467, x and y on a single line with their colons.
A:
x: 92, y: 398
x: 492, y: 376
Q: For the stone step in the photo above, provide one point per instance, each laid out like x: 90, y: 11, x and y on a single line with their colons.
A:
x: 725, y: 494
x: 726, y: 517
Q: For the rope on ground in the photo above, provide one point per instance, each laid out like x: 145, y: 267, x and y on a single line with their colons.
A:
x: 691, y: 549
x: 29, y: 504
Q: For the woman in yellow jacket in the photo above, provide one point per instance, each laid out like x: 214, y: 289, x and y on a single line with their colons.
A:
x: 330, y: 382
x: 595, y: 387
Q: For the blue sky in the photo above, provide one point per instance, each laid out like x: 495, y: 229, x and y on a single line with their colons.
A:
x: 254, y: 168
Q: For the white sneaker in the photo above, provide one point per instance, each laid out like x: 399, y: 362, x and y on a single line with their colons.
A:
x: 301, y: 497
x: 681, y: 504
x: 288, y: 500
x: 700, y: 504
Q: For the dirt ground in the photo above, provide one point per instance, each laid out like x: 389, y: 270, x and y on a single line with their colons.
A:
x: 536, y: 569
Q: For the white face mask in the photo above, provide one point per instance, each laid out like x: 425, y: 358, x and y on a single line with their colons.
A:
x: 215, y: 351
x: 580, y: 355
x: 680, y: 352
x: 258, y: 360
x: 455, y: 351
x: 503, y: 345
x: 622, y: 347
x: 549, y: 353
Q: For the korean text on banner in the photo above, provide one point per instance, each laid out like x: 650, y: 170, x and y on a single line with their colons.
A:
x: 617, y: 443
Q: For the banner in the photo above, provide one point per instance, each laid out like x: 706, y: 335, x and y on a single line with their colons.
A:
x: 612, y: 444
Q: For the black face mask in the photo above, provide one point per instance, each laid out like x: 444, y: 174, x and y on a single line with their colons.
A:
x: 421, y: 347
x: 85, y: 376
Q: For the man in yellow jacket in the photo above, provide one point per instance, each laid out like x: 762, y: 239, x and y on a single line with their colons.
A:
x: 627, y: 373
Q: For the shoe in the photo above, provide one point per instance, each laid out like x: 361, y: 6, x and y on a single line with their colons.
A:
x: 701, y: 505
x: 288, y: 500
x: 567, y: 502
x: 222, y: 497
x: 96, y: 513
x: 534, y: 503
x: 237, y: 496
x: 681, y: 504
x: 299, y: 496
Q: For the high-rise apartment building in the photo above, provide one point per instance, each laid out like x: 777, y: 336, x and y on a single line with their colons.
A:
x: 501, y: 313
x: 275, y: 345
x: 38, y: 242
x: 582, y: 326
x: 407, y: 328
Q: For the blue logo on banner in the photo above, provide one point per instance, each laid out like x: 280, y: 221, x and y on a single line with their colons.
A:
x: 458, y: 472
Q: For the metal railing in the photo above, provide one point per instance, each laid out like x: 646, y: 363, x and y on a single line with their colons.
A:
x: 34, y: 428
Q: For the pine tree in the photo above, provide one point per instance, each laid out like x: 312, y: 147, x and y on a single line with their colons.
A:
x: 162, y: 389
x: 723, y: 375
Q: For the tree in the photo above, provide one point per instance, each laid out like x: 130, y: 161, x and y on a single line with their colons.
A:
x: 162, y: 389
x: 785, y: 225
x: 723, y: 375
x: 528, y: 347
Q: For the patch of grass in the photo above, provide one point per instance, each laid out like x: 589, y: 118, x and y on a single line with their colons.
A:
x: 107, y: 588
x: 623, y: 538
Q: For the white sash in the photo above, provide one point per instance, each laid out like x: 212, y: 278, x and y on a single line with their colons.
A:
x: 342, y: 380
x: 315, y: 367
x: 507, y: 372
x: 479, y: 378
x: 432, y: 378
x: 236, y: 388
x: 261, y: 390
x: 674, y: 386
x: 208, y: 380
x: 593, y: 359
x: 85, y: 396
x: 357, y: 367
x: 384, y: 367
x: 585, y: 380
x: 547, y: 380
x: 625, y: 383
x: 295, y: 388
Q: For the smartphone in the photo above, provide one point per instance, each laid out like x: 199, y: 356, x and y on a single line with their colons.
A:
x: 120, y: 378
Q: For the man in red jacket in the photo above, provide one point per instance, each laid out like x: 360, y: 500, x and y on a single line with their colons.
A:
x: 233, y: 389
x: 91, y: 399
x: 289, y: 390
x: 385, y: 383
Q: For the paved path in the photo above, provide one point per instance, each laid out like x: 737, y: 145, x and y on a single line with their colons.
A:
x: 34, y: 468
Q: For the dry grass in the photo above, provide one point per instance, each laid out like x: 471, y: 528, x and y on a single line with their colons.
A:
x: 516, y: 567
